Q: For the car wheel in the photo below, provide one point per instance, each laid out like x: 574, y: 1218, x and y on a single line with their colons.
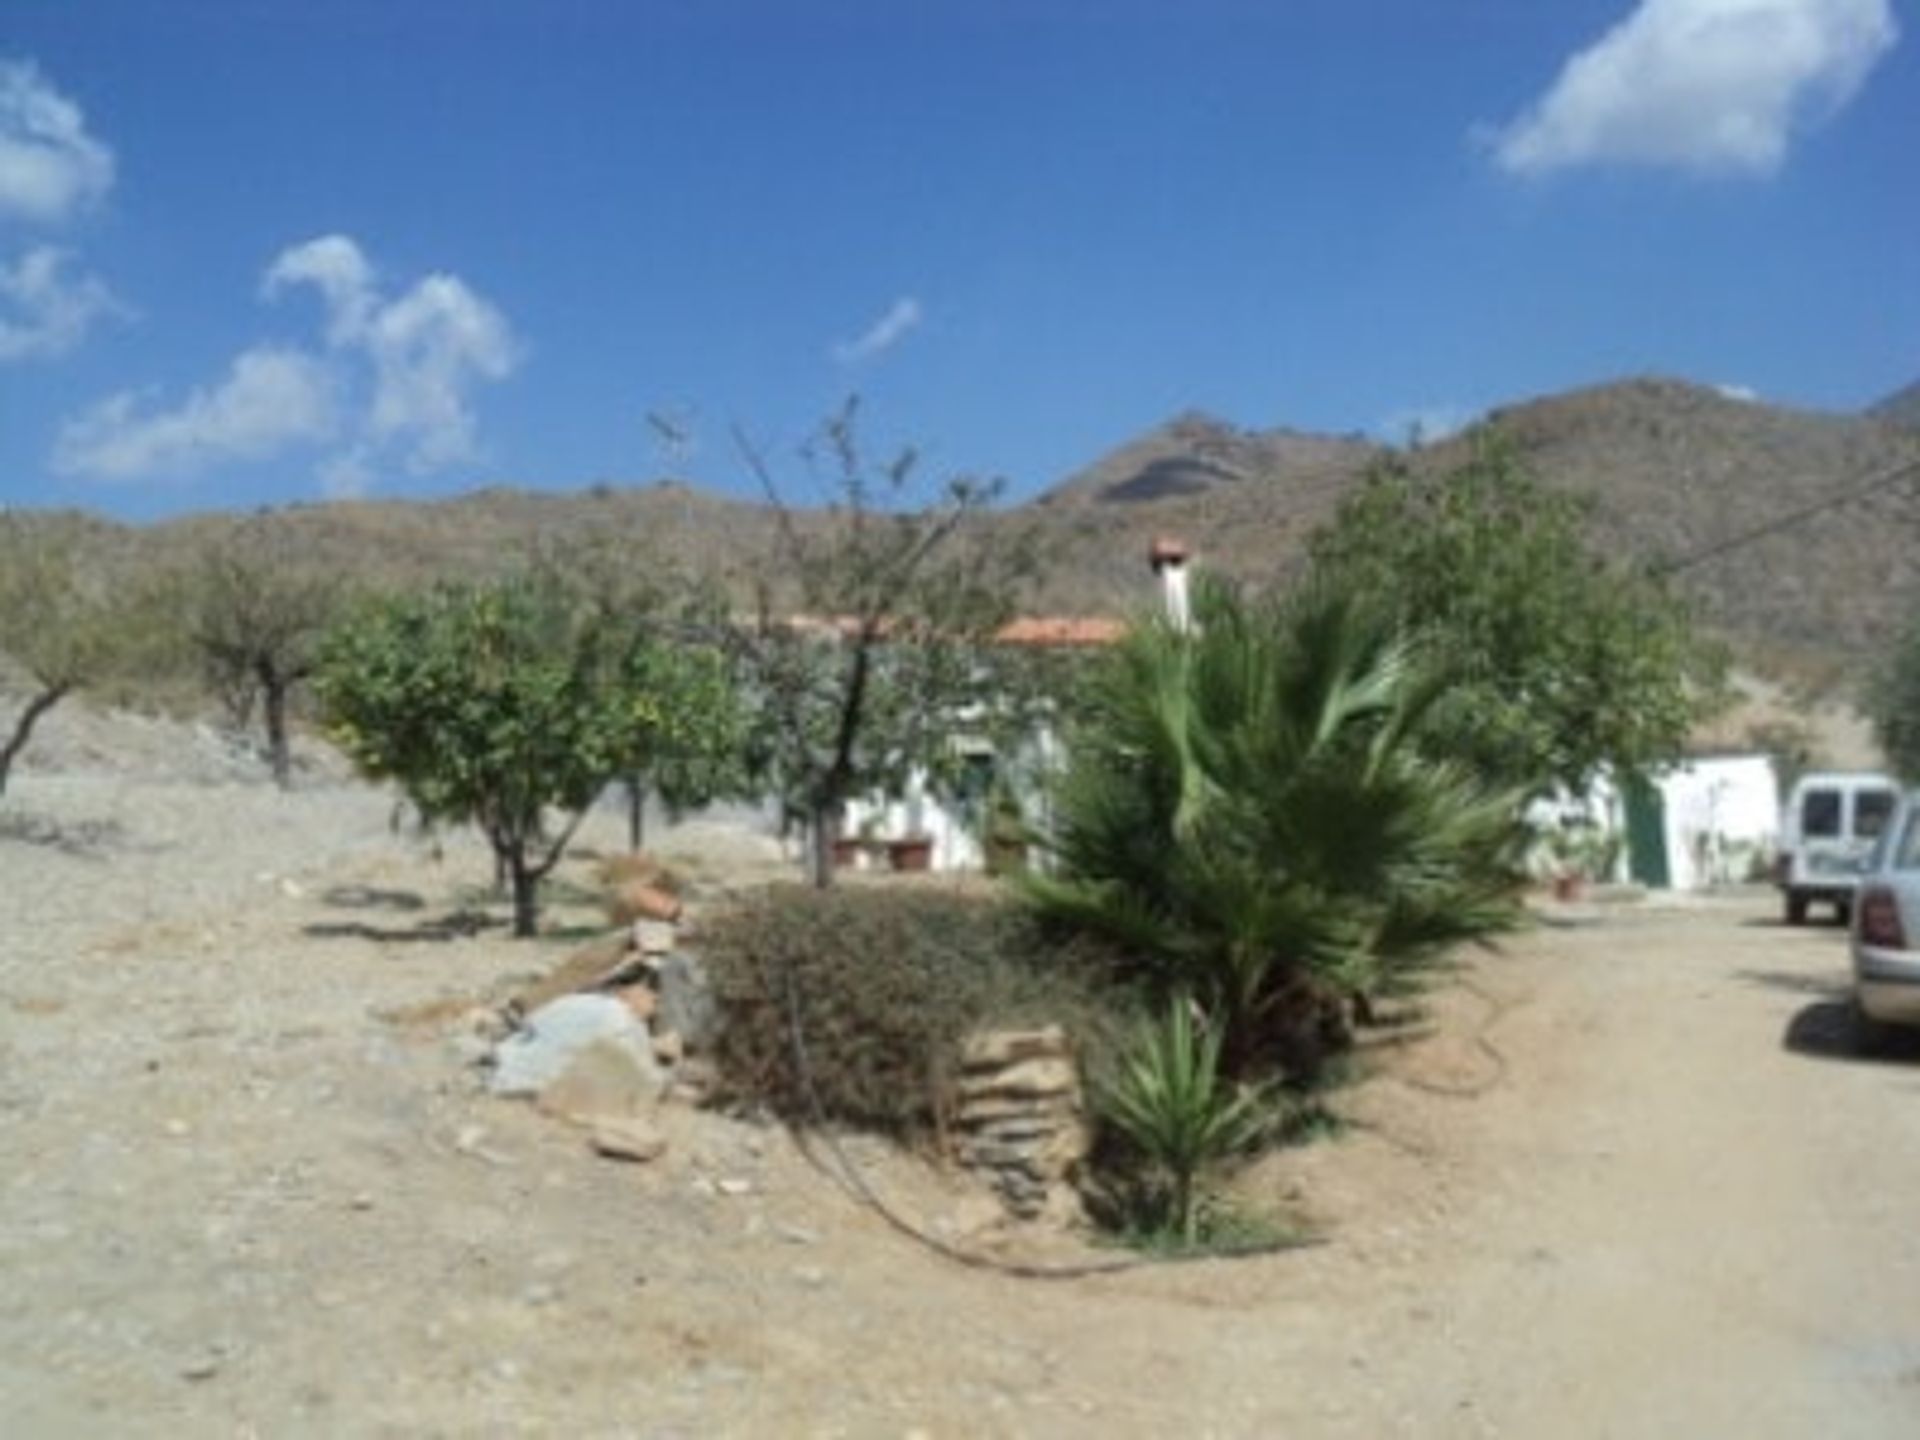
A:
x: 1796, y: 908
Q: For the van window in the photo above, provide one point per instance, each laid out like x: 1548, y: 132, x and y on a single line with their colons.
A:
x: 1907, y: 857
x: 1870, y: 811
x: 1820, y: 814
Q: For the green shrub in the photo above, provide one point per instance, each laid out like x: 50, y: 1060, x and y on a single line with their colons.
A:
x: 1249, y: 815
x: 1169, y: 1100
x: 887, y: 982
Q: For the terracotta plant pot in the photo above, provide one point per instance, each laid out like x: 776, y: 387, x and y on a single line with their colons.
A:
x: 1006, y: 856
x: 914, y: 853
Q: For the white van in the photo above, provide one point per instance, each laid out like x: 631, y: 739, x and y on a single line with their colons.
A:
x: 1827, y: 835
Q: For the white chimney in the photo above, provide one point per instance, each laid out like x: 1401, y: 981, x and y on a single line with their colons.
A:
x: 1169, y: 560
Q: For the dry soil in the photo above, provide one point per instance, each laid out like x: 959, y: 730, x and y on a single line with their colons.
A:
x: 1627, y: 1178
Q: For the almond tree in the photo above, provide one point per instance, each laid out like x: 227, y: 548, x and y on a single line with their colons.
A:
x: 255, y: 612
x: 864, y: 648
x: 56, y: 628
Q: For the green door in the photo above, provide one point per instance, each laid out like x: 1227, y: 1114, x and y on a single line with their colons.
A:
x: 1647, y: 836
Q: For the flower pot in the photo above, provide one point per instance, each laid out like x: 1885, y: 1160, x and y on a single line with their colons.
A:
x: 1006, y: 856
x: 913, y: 853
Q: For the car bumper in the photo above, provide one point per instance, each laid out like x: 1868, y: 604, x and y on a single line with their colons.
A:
x: 1887, y: 984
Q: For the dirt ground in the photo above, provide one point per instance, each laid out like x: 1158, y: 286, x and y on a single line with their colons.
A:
x: 1630, y: 1178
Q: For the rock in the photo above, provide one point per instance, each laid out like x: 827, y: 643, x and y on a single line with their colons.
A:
x: 654, y: 937
x: 668, y: 1047
x: 1037, y: 1078
x: 636, y: 900
x: 604, y: 962
x: 1019, y: 1122
x: 618, y: 870
x: 627, y: 1137
x: 694, y: 1081
x: 536, y: 1055
x: 608, y: 1080
x: 687, y: 1005
x: 735, y: 1187
x: 997, y: 1049
x: 640, y: 999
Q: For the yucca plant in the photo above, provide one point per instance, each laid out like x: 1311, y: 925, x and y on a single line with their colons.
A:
x: 1251, y: 813
x: 1168, y: 1098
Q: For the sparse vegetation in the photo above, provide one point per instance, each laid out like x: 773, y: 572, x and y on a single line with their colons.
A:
x: 1893, y: 703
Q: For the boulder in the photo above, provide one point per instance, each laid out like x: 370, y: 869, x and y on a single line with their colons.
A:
x: 608, y: 1080
x: 537, y: 1054
x: 636, y: 900
x: 997, y: 1049
x: 627, y: 1137
x: 640, y: 999
x: 654, y: 938
x: 687, y: 1006
x: 603, y: 962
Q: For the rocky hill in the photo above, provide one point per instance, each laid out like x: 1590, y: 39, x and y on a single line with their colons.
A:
x: 1676, y: 469
x: 1900, y: 408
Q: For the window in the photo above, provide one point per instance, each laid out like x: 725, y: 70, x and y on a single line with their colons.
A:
x: 1820, y: 815
x: 1870, y: 811
x: 1908, y: 857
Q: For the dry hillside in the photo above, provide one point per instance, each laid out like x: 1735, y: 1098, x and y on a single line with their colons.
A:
x: 1675, y: 469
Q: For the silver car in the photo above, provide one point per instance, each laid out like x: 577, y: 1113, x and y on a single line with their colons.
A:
x: 1886, y: 924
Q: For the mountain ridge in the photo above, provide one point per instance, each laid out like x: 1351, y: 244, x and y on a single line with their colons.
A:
x: 1675, y: 469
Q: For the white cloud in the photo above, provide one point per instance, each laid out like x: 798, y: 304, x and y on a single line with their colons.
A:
x: 336, y: 267
x: 903, y: 316
x: 427, y: 348
x: 45, y: 310
x: 49, y: 165
x: 271, y: 398
x: 1745, y: 394
x: 390, y: 384
x: 1708, y: 85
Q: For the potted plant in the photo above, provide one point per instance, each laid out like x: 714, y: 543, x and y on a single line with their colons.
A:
x: 846, y: 848
x: 1004, y: 841
x: 911, y: 852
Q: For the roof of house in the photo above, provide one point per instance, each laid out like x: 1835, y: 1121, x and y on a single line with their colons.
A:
x: 1066, y: 631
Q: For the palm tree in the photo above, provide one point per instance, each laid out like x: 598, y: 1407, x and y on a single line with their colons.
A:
x: 1250, y: 813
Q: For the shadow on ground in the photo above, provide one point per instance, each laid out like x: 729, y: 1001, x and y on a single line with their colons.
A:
x: 1831, y: 1030
x: 458, y: 925
x: 84, y: 839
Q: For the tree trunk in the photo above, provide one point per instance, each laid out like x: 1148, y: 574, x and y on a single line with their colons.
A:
x: 23, y: 728
x: 636, y: 812
x: 526, y: 900
x: 823, y: 827
x: 273, y: 690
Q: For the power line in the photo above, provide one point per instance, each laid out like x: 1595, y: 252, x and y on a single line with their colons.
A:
x: 1880, y: 480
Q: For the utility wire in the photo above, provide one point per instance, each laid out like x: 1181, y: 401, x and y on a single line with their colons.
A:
x: 1881, y: 480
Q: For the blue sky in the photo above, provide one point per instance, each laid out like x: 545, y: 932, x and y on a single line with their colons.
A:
x: 255, y: 252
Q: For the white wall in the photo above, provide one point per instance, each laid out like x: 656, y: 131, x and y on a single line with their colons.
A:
x: 1720, y: 813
